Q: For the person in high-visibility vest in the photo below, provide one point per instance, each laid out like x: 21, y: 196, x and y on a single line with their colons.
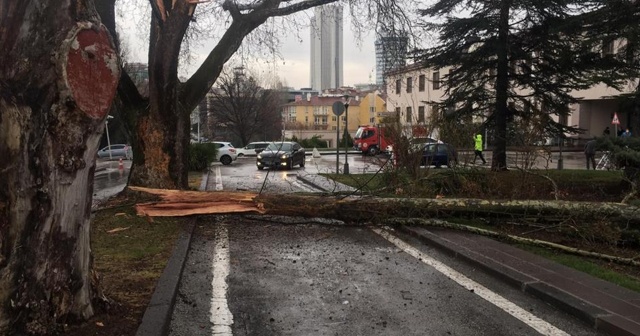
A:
x: 478, y: 148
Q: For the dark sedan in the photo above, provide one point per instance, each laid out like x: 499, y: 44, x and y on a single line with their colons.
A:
x: 439, y: 154
x: 281, y: 154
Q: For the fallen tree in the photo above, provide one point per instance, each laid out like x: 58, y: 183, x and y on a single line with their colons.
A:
x: 376, y: 210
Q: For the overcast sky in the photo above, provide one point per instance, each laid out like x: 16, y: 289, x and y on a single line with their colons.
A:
x: 293, y: 68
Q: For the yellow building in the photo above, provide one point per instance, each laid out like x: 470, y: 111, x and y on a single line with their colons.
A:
x: 372, y: 105
x: 313, y: 115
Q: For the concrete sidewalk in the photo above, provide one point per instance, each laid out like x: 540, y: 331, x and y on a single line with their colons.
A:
x: 604, y: 306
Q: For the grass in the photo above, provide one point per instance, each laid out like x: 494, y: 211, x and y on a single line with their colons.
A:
x: 582, y: 185
x: 129, y: 255
x: 194, y: 180
x: 133, y: 242
x: 587, y: 266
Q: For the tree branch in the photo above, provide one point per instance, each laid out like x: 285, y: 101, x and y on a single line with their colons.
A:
x: 297, y: 7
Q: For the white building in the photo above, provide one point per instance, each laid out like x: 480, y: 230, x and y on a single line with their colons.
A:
x: 327, y: 48
x: 409, y: 90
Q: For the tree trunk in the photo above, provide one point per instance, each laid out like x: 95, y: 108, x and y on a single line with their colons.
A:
x: 499, y: 160
x: 58, y: 76
x: 379, y: 209
x: 163, y: 132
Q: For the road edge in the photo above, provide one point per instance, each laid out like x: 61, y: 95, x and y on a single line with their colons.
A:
x: 157, y: 316
x: 597, y: 318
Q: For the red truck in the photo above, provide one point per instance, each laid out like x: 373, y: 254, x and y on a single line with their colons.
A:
x: 370, y: 140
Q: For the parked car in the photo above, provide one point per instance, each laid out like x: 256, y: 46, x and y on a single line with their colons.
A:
x: 416, y: 144
x: 439, y: 154
x: 281, y: 154
x: 252, y: 148
x: 117, y: 151
x: 226, y: 152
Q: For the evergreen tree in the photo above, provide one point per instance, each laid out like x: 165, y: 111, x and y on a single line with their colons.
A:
x: 511, y: 59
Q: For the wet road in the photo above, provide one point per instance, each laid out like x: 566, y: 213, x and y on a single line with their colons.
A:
x: 243, y: 175
x: 262, y: 275
x: 259, y: 276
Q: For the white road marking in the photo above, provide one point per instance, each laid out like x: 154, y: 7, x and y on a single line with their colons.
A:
x: 221, y: 317
x: 218, y: 179
x: 541, y: 326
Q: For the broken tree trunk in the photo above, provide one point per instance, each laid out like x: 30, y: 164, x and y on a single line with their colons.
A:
x: 379, y: 209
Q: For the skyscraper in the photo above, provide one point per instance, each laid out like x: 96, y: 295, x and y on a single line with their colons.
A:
x: 326, y: 48
x: 391, y: 52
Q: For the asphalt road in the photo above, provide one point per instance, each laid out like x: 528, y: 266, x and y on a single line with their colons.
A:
x: 266, y: 276
x: 287, y: 276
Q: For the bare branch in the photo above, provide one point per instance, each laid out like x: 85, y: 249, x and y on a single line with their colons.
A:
x: 284, y: 11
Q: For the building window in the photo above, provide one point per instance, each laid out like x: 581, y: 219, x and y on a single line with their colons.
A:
x: 408, y: 116
x: 436, y: 80
x: 398, y: 86
x: 421, y: 83
x: 420, y: 114
x: 372, y: 109
x: 409, y: 84
x: 372, y: 120
x: 398, y: 113
x: 334, y: 118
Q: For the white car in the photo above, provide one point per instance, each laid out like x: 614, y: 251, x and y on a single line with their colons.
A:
x: 252, y: 148
x: 226, y: 152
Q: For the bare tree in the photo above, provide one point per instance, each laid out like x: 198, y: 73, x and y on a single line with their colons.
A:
x: 162, y: 127
x: 244, y: 106
x: 58, y: 77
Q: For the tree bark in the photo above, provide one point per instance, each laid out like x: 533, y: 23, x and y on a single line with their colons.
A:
x: 499, y: 159
x: 379, y: 209
x: 163, y: 132
x: 58, y: 77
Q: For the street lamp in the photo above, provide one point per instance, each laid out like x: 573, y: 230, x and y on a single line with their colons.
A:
x: 106, y: 126
x: 346, y: 129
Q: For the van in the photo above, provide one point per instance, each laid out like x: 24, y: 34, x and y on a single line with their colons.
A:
x: 252, y: 148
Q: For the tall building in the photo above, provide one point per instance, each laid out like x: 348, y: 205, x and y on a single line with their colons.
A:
x: 391, y: 52
x: 326, y: 48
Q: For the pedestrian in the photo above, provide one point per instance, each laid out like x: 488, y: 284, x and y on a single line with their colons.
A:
x: 590, y: 153
x: 606, y: 131
x: 626, y: 133
x: 478, y: 148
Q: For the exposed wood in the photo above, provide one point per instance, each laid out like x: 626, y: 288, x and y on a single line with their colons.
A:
x: 186, y: 203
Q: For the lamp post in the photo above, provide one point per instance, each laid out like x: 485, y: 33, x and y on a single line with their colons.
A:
x: 338, y: 108
x: 106, y: 126
x: 346, y: 129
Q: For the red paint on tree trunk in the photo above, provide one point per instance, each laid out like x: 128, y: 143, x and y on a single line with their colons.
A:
x: 92, y: 73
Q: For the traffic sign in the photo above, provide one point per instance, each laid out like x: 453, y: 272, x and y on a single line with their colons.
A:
x: 338, y: 108
x: 615, y: 120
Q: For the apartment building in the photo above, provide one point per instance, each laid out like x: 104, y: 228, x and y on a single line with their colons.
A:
x: 409, y: 90
x: 313, y: 115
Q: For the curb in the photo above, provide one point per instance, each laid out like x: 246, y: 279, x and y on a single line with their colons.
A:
x: 157, y: 317
x: 594, y: 316
x: 323, y: 184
